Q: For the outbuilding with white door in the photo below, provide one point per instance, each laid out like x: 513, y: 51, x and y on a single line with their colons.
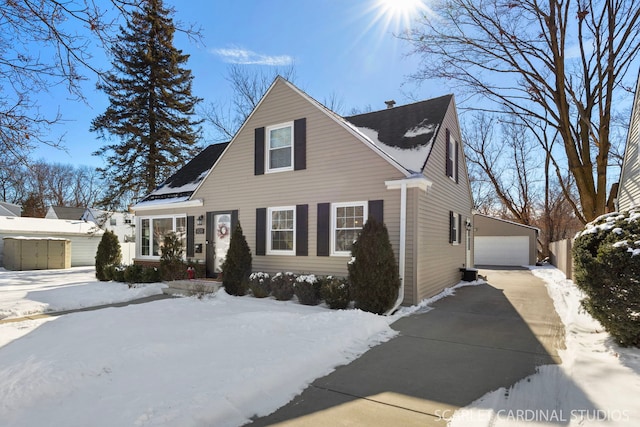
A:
x: 504, y: 243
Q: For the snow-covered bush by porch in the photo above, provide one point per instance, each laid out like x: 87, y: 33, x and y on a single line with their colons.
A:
x: 282, y: 286
x: 307, y: 289
x: 606, y: 259
x: 335, y: 292
x: 260, y: 284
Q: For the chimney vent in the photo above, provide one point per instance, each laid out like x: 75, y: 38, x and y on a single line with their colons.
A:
x: 390, y: 103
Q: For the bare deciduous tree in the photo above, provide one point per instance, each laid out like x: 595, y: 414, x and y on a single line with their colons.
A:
x: 562, y: 62
x: 248, y: 86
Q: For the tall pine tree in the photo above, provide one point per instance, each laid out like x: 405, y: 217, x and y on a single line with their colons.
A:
x: 151, y: 115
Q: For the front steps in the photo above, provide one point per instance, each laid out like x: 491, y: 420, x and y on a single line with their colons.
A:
x: 192, y: 287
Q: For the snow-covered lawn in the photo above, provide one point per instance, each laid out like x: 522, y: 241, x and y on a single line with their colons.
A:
x: 180, y: 362
x: 24, y: 293
x: 597, y: 384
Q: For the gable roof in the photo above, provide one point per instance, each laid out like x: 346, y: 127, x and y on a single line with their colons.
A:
x: 181, y: 185
x: 65, y: 212
x: 405, y: 133
x: 10, y: 209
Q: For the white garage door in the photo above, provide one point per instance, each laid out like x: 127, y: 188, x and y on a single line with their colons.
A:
x: 501, y: 250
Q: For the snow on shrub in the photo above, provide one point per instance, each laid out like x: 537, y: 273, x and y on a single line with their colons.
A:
x: 307, y: 289
x: 607, y: 269
x: 282, y: 286
x: 335, y: 292
x: 260, y: 284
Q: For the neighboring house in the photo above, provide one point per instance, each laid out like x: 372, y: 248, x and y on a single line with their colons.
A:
x: 302, y: 181
x: 64, y: 212
x: 629, y: 185
x: 502, y: 242
x: 9, y: 209
x: 83, y: 235
x: 122, y: 224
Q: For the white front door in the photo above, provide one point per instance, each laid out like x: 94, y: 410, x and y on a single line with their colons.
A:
x: 221, y: 239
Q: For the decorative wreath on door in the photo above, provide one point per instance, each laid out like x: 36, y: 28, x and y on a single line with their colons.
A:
x: 223, y: 231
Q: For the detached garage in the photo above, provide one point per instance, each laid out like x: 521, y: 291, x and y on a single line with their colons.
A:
x: 84, y: 236
x: 502, y: 242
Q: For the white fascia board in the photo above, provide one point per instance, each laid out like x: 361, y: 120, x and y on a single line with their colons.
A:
x: 412, y: 182
x: 195, y: 203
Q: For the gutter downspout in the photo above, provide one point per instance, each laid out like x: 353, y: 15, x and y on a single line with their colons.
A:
x: 403, y: 243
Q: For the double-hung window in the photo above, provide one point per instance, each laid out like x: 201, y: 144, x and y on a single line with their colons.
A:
x: 154, y: 229
x: 279, y: 144
x: 347, y: 222
x: 281, y: 235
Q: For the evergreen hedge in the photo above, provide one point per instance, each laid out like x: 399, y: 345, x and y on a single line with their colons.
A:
x: 335, y: 292
x: 373, y: 271
x: 282, y: 286
x: 172, y: 266
x: 236, y: 267
x: 307, y: 289
x: 606, y: 258
x: 108, y: 254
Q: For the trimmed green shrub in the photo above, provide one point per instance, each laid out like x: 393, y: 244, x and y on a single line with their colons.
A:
x: 133, y: 274
x: 282, y: 286
x: 307, y: 289
x: 260, y: 284
x: 373, y: 271
x: 172, y: 267
x: 335, y: 292
x: 151, y: 275
x: 236, y: 267
x: 606, y: 259
x: 108, y: 254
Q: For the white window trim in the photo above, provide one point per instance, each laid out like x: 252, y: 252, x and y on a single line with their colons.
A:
x: 456, y: 224
x: 453, y: 144
x: 269, y: 230
x: 139, y: 234
x: 334, y: 223
x: 267, y: 148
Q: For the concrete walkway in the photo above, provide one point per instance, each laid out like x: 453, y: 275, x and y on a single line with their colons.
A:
x: 483, y: 338
x: 92, y: 308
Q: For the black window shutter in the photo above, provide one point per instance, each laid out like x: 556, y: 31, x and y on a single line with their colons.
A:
x: 324, y: 228
x: 259, y: 152
x: 302, y: 230
x: 300, y: 144
x: 191, y: 250
x: 376, y: 210
x: 457, y: 165
x: 261, y: 231
x: 451, y: 229
x: 234, y: 220
x: 449, y: 164
x: 459, y: 229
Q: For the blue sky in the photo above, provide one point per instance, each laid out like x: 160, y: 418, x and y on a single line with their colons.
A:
x: 339, y: 47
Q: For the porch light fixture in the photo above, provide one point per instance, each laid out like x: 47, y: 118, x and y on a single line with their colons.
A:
x: 200, y: 218
x: 468, y: 224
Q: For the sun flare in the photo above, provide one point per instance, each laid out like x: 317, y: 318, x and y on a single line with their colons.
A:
x: 399, y: 14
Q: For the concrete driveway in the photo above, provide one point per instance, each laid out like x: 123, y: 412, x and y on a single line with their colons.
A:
x: 483, y: 338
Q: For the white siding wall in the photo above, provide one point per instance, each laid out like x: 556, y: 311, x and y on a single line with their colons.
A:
x: 629, y: 191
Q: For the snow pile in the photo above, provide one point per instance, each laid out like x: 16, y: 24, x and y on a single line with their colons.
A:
x: 24, y: 293
x: 597, y: 384
x: 179, y: 362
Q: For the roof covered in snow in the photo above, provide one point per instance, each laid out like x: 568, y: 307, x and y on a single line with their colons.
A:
x: 9, y: 209
x: 45, y: 226
x: 405, y: 133
x: 181, y: 185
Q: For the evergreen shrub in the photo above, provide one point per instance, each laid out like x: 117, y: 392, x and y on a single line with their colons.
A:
x: 108, y: 254
x: 151, y: 275
x: 260, y: 284
x: 307, y: 289
x: 606, y: 256
x: 282, y: 286
x: 373, y: 271
x: 335, y: 292
x: 236, y: 267
x: 172, y: 267
x: 133, y: 274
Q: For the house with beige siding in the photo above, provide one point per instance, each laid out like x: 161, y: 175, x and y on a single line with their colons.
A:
x: 629, y: 185
x: 303, y: 180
